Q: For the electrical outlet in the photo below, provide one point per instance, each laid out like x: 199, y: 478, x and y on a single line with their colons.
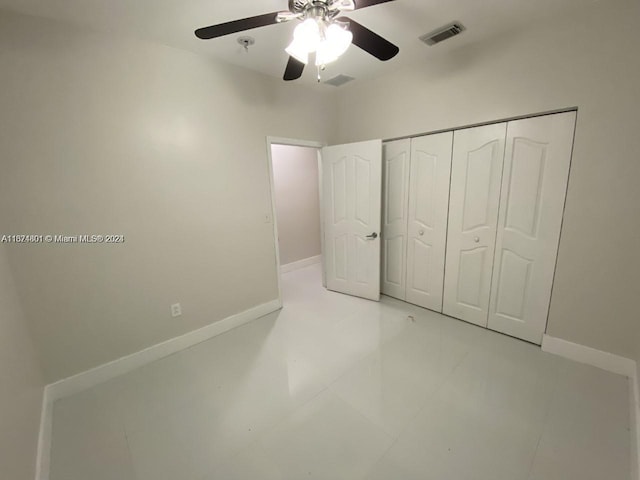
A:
x: 176, y: 310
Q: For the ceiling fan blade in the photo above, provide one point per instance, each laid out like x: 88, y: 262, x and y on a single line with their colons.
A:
x: 235, y: 26
x: 294, y: 69
x: 287, y: 16
x: 342, y: 5
x: 369, y: 3
x: 370, y: 41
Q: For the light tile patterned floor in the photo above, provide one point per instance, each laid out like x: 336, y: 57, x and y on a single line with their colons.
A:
x: 334, y: 387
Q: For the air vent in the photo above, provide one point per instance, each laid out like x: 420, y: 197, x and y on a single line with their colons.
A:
x: 442, y: 34
x: 339, y: 80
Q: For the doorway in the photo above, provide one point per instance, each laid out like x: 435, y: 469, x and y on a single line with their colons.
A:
x: 297, y: 203
x: 348, y: 229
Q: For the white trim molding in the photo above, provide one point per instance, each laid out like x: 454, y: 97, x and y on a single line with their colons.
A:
x: 103, y: 373
x: 634, y: 388
x: 590, y: 356
x: 611, y: 363
x: 44, y: 437
x: 294, y: 142
x: 85, y: 380
x: 306, y: 262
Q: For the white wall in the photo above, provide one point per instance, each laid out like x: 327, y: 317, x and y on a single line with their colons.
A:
x: 102, y: 134
x: 295, y: 178
x: 589, y: 60
x: 21, y: 385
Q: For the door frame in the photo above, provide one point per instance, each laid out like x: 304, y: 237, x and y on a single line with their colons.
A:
x: 272, y: 193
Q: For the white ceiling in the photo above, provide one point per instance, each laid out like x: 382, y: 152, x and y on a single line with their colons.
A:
x: 172, y: 22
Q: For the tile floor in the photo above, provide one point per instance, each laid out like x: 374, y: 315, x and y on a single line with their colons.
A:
x: 334, y: 387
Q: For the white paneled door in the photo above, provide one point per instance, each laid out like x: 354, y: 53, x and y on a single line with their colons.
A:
x: 427, y: 223
x: 534, y: 186
x: 352, y: 184
x: 395, y: 194
x: 478, y: 156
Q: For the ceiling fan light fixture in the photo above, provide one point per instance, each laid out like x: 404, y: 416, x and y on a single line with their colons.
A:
x: 336, y: 43
x: 308, y: 33
x: 299, y: 51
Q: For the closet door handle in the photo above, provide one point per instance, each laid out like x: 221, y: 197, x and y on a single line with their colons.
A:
x: 373, y: 236
x: 421, y: 233
x: 476, y: 239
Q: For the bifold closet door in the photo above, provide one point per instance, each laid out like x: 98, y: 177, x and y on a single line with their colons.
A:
x: 536, y: 172
x: 476, y: 174
x: 395, y: 196
x: 429, y: 182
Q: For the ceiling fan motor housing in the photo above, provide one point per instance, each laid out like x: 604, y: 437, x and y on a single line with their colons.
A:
x: 321, y: 9
x: 298, y: 6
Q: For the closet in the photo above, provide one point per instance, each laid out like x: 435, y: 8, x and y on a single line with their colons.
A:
x: 472, y: 219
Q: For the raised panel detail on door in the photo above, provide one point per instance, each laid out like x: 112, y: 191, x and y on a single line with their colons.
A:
x: 424, y: 192
x: 471, y: 268
x: 427, y: 222
x: 363, y: 269
x: 339, y: 190
x: 477, y: 194
x: 536, y: 172
x: 395, y: 194
x: 340, y: 257
x: 419, y: 281
x: 352, y: 181
x: 476, y: 173
x: 525, y: 186
x: 394, y: 262
x: 511, y: 297
x: 363, y: 186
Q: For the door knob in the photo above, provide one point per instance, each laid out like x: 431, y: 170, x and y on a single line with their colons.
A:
x: 421, y: 232
x: 373, y: 236
x: 476, y: 239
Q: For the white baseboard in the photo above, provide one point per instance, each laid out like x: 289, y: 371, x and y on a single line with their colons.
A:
x: 590, y: 356
x: 44, y: 437
x: 95, y: 376
x: 611, y: 363
x: 103, y: 373
x: 290, y: 267
x: 634, y: 389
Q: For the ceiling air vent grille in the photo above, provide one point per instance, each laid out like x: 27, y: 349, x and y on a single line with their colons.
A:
x: 339, y: 80
x: 442, y: 34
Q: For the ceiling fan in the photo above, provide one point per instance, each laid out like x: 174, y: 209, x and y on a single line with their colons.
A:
x: 322, y: 31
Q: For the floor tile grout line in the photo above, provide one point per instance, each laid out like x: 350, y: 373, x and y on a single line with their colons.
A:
x: 426, y: 405
x: 327, y: 388
x: 545, y: 419
x: 276, y: 423
x: 420, y: 410
x: 129, y: 451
